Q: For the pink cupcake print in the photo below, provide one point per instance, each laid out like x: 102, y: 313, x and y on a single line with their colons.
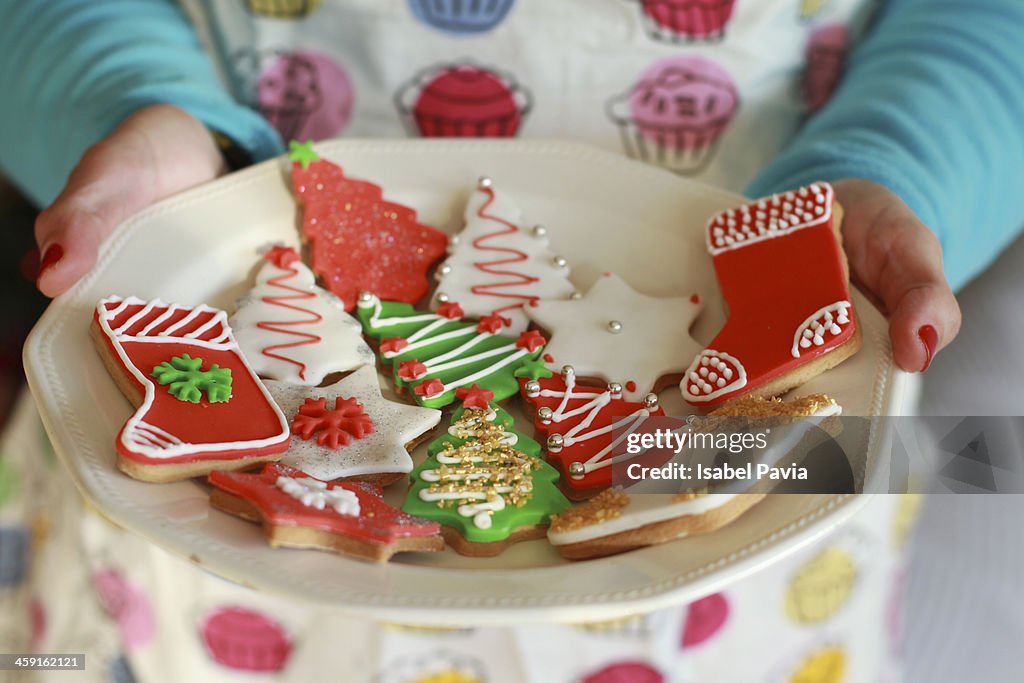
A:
x: 127, y: 604
x: 826, y: 52
x: 704, y: 619
x: 239, y: 638
x: 676, y: 112
x: 685, y: 21
x: 305, y: 95
x: 463, y: 100
x: 625, y: 672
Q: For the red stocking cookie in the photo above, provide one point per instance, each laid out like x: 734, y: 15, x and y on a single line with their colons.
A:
x: 298, y: 511
x: 361, y: 242
x: 200, y: 405
x: 498, y: 266
x: 783, y: 275
x: 583, y: 426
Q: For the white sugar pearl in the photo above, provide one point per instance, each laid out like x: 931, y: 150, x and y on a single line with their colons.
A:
x: 808, y: 334
x: 720, y: 383
x: 713, y: 376
x: 818, y: 341
x: 703, y: 372
x: 835, y: 329
x: 693, y: 376
x: 728, y: 373
x: 704, y: 361
x: 804, y: 343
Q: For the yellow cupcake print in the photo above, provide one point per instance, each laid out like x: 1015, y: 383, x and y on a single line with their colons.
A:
x: 821, y: 586
x: 449, y: 676
x: 827, y: 665
x: 907, y: 512
x: 809, y: 8
x: 283, y: 9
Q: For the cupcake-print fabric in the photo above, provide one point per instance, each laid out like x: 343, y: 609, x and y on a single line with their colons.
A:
x: 710, y: 89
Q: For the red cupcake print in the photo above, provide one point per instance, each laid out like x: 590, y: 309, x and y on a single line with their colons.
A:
x: 684, y: 21
x: 463, y: 100
x: 239, y: 638
x: 826, y: 52
x: 625, y: 672
x: 305, y: 95
x: 676, y: 112
x: 704, y: 619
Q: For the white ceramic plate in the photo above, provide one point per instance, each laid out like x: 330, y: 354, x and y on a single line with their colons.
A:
x: 603, y: 213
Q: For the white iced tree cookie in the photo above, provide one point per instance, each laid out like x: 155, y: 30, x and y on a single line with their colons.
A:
x: 498, y: 265
x: 293, y: 331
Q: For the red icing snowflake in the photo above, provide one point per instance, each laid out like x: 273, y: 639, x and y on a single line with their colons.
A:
x: 335, y: 427
x: 475, y: 397
x: 359, y: 241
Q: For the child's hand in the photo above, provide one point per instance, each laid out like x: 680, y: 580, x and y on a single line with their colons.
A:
x: 153, y: 153
x: 897, y: 261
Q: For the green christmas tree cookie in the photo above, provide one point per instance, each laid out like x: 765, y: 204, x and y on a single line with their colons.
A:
x: 435, y: 354
x: 484, y: 481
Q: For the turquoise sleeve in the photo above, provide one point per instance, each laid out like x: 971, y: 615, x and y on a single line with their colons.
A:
x: 73, y: 69
x: 931, y: 105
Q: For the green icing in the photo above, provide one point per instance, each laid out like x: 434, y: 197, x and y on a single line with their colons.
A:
x: 487, y: 370
x: 302, y: 152
x: 524, y: 455
x: 188, y: 381
x: 533, y: 368
x: 8, y: 481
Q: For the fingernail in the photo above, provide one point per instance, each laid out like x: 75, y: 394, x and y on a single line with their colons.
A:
x: 51, y: 256
x: 930, y: 339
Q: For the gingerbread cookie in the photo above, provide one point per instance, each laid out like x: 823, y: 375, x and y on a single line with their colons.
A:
x: 299, y: 511
x: 583, y: 427
x: 784, y: 277
x: 435, y: 354
x: 199, y: 405
x: 358, y: 240
x: 349, y: 431
x: 497, y: 265
x: 484, y: 481
x: 293, y: 331
x: 616, y: 334
x: 614, y: 521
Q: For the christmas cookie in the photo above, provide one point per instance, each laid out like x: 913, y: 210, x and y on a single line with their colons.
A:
x: 784, y: 277
x: 359, y: 241
x: 583, y: 426
x: 463, y: 100
x: 349, y: 431
x: 616, y: 334
x: 299, y: 511
x: 484, y: 481
x: 614, y: 521
x: 435, y: 354
x: 293, y: 331
x: 497, y: 265
x: 199, y: 405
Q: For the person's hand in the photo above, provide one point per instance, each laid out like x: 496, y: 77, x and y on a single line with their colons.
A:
x: 897, y: 261
x: 154, y: 153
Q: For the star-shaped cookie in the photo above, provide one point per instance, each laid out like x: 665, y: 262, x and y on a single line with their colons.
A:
x: 619, y: 335
x: 380, y: 453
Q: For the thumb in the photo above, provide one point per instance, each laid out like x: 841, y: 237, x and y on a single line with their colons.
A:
x: 153, y: 153
x: 898, y: 260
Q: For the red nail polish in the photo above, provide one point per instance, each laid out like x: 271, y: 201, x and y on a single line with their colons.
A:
x: 51, y: 256
x: 930, y: 339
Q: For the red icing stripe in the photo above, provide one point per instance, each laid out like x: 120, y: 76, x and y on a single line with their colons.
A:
x: 312, y: 318
x: 494, y: 267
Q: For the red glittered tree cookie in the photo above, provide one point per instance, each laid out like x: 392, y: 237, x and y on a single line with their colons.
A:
x: 359, y: 241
